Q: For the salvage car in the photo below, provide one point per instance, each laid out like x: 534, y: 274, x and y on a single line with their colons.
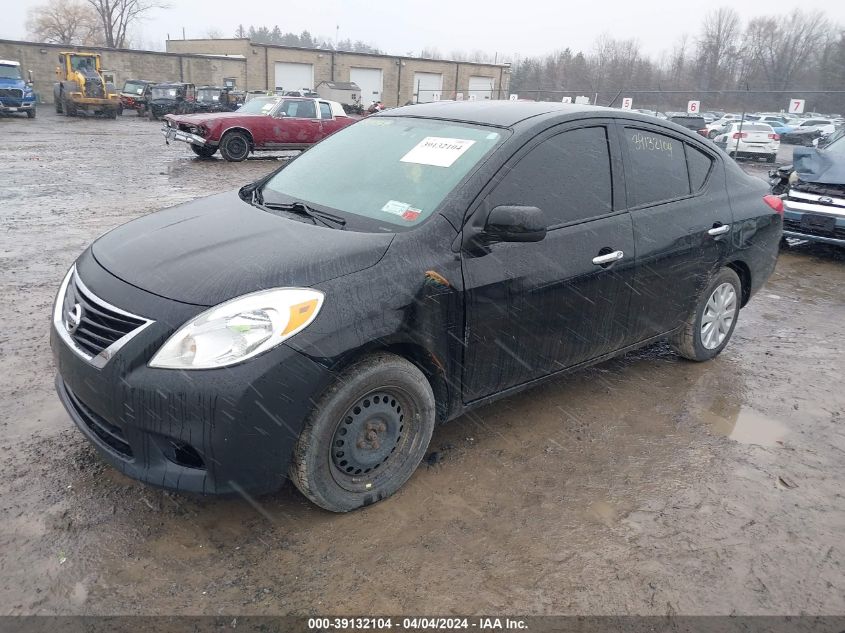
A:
x: 216, y: 99
x: 813, y: 189
x: 262, y: 124
x: 135, y: 95
x: 171, y: 97
x: 749, y: 140
x: 318, y: 323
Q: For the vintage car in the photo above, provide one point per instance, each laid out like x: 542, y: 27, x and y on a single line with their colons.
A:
x: 262, y: 124
x: 216, y: 99
x: 179, y: 98
x: 135, y: 95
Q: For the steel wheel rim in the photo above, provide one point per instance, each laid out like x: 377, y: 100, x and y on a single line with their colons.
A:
x: 236, y: 146
x: 368, y: 444
x: 718, y: 316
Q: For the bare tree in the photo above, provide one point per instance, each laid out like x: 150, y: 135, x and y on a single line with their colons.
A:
x: 116, y: 16
x: 214, y: 34
x: 718, y: 47
x: 63, y: 22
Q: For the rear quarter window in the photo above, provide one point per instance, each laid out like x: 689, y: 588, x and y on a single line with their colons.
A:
x: 656, y: 168
x: 699, y: 165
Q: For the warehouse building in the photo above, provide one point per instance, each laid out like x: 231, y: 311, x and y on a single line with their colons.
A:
x: 392, y: 79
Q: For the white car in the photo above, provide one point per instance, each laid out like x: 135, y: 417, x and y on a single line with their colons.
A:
x: 715, y: 127
x: 749, y: 140
x: 825, y: 126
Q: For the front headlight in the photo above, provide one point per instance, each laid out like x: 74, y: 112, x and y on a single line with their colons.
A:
x: 239, y: 329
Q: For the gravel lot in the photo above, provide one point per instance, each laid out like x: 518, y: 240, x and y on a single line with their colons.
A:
x: 645, y: 485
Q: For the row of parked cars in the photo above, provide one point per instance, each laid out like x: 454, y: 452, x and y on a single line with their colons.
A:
x: 153, y: 99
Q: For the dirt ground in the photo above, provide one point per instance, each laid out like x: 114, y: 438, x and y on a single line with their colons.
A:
x: 645, y: 485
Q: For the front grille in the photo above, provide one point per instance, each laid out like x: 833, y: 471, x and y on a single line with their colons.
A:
x: 15, y: 93
x: 820, y: 189
x: 100, y: 325
x: 795, y: 225
x: 94, y: 88
x: 109, y: 434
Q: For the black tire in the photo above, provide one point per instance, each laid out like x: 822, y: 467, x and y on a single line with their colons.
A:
x: 31, y: 113
x: 687, y: 341
x: 203, y: 152
x: 235, y: 146
x: 341, y: 460
x: 771, y: 158
x: 151, y: 116
x: 712, y: 134
x: 58, y: 105
x: 69, y: 107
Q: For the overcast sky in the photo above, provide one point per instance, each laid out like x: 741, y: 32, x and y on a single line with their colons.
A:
x: 526, y: 27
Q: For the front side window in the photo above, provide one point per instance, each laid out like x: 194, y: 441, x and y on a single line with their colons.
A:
x: 567, y: 177
x: 656, y: 169
x: 412, y: 166
x: 298, y: 109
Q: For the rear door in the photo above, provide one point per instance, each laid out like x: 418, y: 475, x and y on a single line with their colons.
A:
x: 534, y: 309
x: 682, y: 223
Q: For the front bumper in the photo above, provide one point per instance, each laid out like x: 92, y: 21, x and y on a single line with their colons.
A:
x: 208, y: 431
x: 15, y: 105
x: 175, y: 134
x: 792, y: 227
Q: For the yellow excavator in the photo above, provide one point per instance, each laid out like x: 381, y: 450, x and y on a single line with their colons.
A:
x: 81, y: 88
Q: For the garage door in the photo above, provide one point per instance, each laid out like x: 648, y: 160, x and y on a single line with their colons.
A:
x: 480, y: 88
x: 369, y: 80
x: 292, y: 76
x: 427, y: 87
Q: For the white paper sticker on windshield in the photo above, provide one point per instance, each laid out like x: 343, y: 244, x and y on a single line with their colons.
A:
x: 437, y: 151
x: 395, y: 207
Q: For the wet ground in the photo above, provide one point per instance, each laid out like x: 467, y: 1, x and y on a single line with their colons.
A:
x: 644, y: 485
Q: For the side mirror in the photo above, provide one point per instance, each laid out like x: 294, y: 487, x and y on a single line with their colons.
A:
x: 515, y: 224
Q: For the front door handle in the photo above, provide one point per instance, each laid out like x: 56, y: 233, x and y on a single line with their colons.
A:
x: 719, y: 230
x: 601, y: 260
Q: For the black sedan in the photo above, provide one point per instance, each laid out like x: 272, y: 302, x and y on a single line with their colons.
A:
x: 317, y: 324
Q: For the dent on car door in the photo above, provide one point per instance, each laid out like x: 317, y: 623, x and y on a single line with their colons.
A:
x: 682, y: 223
x: 536, y: 308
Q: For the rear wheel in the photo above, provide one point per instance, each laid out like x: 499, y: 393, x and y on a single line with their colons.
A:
x: 771, y: 158
x: 69, y: 107
x: 711, y: 323
x: 235, y: 146
x: 712, y: 134
x: 203, y: 152
x: 366, y: 435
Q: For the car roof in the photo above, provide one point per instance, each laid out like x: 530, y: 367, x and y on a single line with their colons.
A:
x: 496, y: 113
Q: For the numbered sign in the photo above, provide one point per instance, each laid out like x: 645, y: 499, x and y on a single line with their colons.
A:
x: 513, y: 97
x: 627, y: 103
x: 693, y: 107
x: 566, y: 100
x: 796, y: 106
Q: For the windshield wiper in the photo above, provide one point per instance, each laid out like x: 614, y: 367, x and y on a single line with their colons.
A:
x: 326, y: 219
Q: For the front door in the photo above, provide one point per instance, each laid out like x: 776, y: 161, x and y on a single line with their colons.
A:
x: 533, y: 309
x: 297, y: 123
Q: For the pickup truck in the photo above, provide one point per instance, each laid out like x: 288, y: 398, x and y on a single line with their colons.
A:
x: 262, y: 124
x: 16, y: 94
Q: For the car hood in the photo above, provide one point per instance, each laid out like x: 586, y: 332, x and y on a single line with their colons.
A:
x: 818, y: 166
x: 216, y: 248
x: 209, y: 117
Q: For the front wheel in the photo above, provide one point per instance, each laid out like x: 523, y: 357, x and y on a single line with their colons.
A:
x: 366, y: 435
x: 234, y: 146
x: 711, y: 323
x: 31, y: 113
x: 203, y: 152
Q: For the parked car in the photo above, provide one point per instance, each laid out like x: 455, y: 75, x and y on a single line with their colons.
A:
x: 691, y: 122
x: 135, y: 95
x: 317, y: 323
x: 216, y: 99
x: 262, y: 124
x: 813, y: 188
x: 822, y: 126
x: 749, y: 140
x: 179, y: 98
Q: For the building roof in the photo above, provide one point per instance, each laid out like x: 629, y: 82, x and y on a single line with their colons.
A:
x: 498, y: 113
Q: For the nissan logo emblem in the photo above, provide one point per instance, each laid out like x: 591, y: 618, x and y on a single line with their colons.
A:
x: 74, y: 318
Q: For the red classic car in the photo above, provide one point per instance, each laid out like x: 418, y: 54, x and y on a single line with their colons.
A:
x: 261, y: 124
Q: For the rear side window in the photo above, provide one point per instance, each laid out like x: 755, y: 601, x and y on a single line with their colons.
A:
x: 699, y: 165
x: 325, y: 110
x: 656, y: 169
x: 567, y: 176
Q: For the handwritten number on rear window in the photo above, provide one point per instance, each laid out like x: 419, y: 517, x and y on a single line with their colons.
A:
x: 647, y: 143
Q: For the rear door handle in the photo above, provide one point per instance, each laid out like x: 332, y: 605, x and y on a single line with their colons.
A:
x: 719, y: 230
x: 601, y: 260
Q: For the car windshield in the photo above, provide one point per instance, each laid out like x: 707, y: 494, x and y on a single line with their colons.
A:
x: 259, y: 105
x: 411, y: 165
x: 133, y: 88
x: 837, y: 146
x: 208, y: 95
x: 10, y: 72
x: 165, y: 93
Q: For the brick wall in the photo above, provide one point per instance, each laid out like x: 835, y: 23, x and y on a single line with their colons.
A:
x: 42, y: 59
